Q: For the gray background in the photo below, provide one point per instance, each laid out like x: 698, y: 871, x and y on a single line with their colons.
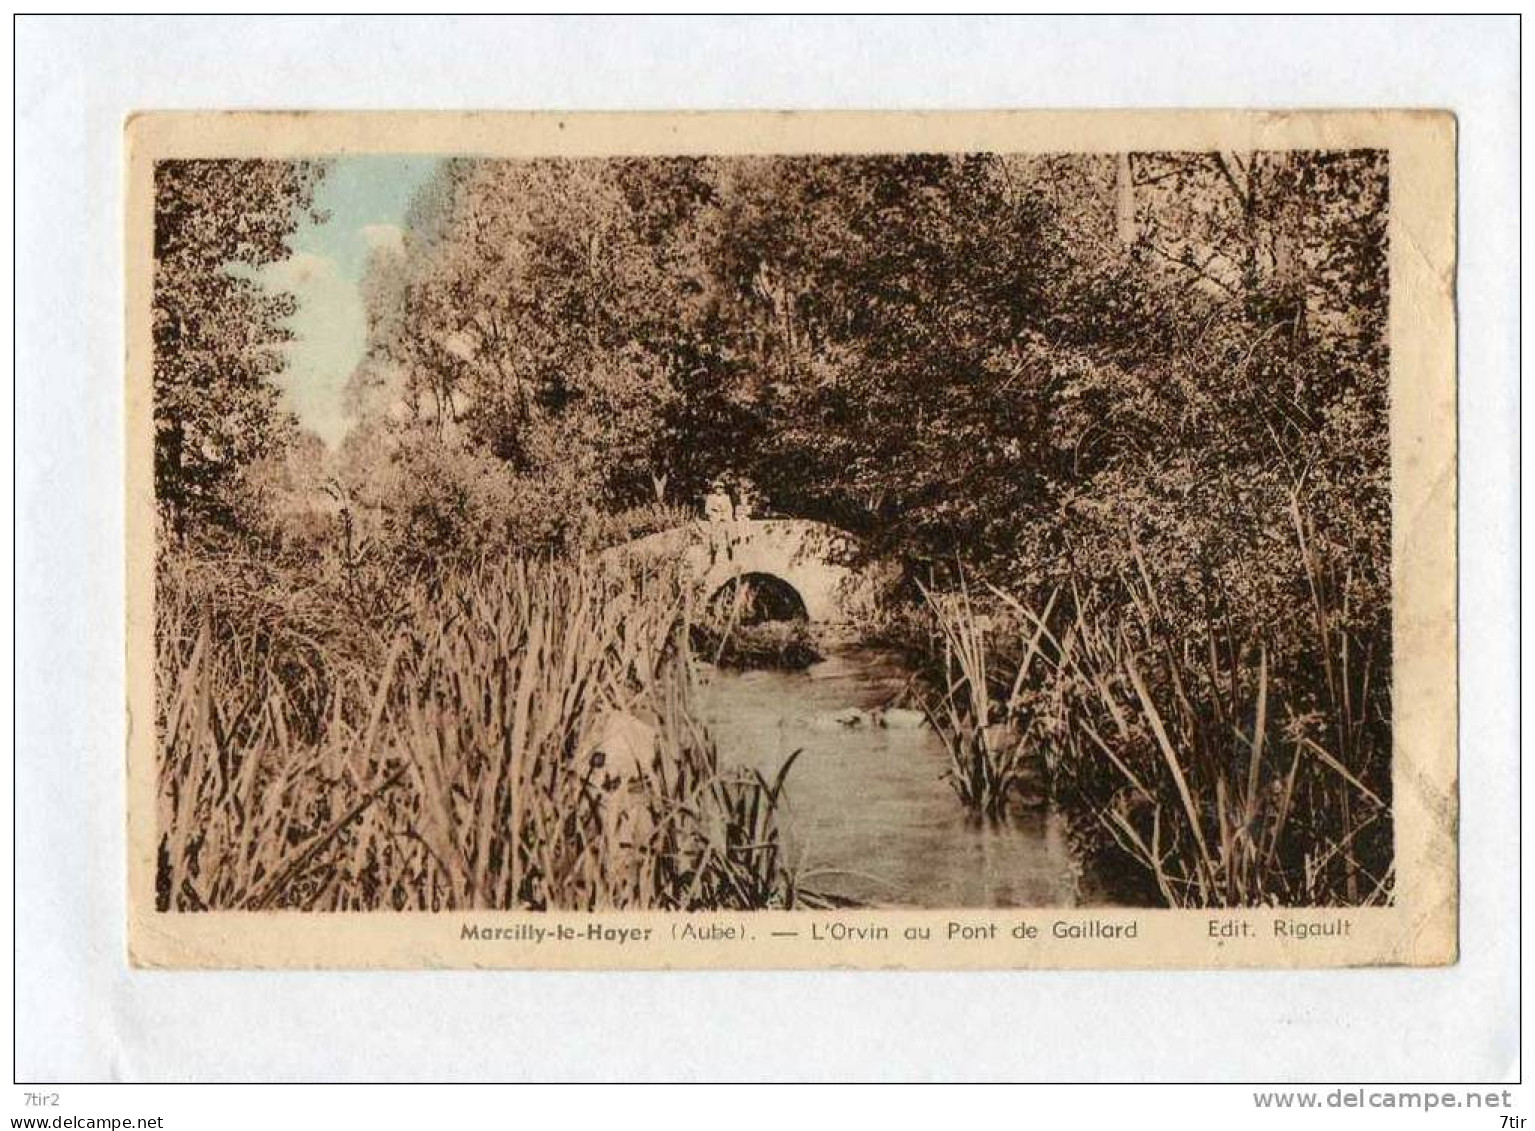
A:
x: 82, y: 1014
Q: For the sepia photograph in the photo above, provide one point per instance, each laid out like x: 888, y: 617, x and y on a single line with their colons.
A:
x: 787, y: 531
x: 765, y: 549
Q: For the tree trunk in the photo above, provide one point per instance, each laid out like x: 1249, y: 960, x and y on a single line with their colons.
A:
x: 1124, y: 201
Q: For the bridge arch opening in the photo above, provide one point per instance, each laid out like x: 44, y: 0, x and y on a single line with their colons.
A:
x: 756, y: 598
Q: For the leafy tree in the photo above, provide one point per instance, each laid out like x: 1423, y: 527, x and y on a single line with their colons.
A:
x: 1004, y: 358
x: 538, y: 311
x: 217, y: 330
x: 888, y: 306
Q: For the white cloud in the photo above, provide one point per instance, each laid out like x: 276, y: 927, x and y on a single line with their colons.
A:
x: 383, y: 237
x: 330, y: 330
x: 304, y: 271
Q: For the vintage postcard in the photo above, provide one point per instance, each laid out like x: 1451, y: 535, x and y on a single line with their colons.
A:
x: 871, y: 540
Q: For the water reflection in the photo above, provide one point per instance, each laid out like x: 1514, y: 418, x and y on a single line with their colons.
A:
x: 870, y: 818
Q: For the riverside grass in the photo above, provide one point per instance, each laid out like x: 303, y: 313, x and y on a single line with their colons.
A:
x: 444, y: 756
x: 1228, y: 779
x: 989, y: 764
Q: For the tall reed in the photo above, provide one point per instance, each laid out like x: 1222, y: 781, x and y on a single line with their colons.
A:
x: 1231, y: 762
x: 976, y: 717
x: 1236, y: 769
x: 451, y: 760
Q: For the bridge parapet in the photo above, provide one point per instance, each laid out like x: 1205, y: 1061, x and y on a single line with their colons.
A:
x: 810, y: 556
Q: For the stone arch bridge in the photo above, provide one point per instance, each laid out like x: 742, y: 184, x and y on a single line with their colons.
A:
x: 810, y: 557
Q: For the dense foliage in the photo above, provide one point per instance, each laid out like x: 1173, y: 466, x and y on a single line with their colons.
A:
x: 1139, y: 403
x: 938, y: 352
x: 217, y: 329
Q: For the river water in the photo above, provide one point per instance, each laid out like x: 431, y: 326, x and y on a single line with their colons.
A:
x: 869, y: 817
